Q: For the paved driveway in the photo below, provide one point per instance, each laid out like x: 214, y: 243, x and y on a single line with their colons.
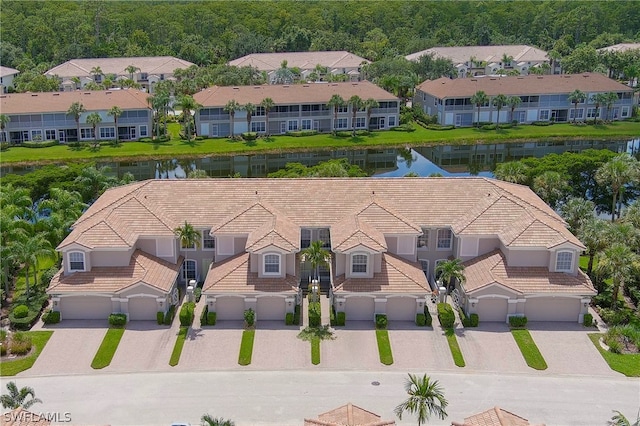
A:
x: 355, y: 347
x: 145, y: 346
x: 423, y: 348
x: 277, y: 347
x: 212, y: 348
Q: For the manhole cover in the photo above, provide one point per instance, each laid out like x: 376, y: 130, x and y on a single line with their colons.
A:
x: 375, y: 383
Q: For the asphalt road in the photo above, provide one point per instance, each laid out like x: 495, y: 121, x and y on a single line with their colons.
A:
x: 287, y: 397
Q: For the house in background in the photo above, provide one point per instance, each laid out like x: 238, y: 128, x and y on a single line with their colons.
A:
x: 348, y: 415
x: 495, y: 416
x: 544, y: 98
x: 149, y: 70
x: 43, y: 116
x: 6, y: 78
x: 296, y: 107
x: 620, y: 47
x: 334, y: 62
x: 386, y: 238
x: 471, y: 61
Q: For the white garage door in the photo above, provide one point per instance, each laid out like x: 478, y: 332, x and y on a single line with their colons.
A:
x: 359, y: 308
x: 270, y: 309
x: 491, y: 310
x: 552, y: 309
x: 230, y: 308
x: 143, y: 308
x: 401, y: 309
x: 85, y: 307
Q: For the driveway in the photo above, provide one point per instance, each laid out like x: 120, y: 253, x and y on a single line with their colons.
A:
x: 423, y: 348
x: 70, y: 349
x: 277, y: 347
x: 355, y: 348
x: 211, y: 348
x: 145, y: 346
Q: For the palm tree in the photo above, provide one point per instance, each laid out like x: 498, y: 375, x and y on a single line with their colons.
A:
x: 499, y: 102
x: 188, y: 105
x: 115, y: 112
x: 317, y: 255
x: 576, y: 211
x: 4, y: 120
x: 231, y: 107
x: 609, y: 99
x: 619, y: 419
x: 96, y: 71
x: 551, y: 187
x: 250, y: 109
x: 27, y: 252
x: 335, y: 102
x: 632, y: 214
x: 593, y: 234
x: 451, y: 270
x: 160, y: 104
x: 512, y: 171
x: 207, y: 420
x: 93, y: 182
x: 598, y: 100
x: 75, y: 110
x: 17, y: 398
x: 284, y: 74
x: 369, y: 105
x: 356, y: 103
x: 76, y: 81
x: 479, y: 99
x: 617, y: 173
x: 513, y: 102
x: 188, y: 237
x: 426, y: 397
x: 576, y: 97
x: 16, y: 202
x: 131, y: 69
x: 620, y: 263
x: 267, y: 104
x: 93, y: 120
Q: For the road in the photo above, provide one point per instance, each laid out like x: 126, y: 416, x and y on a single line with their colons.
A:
x: 287, y: 397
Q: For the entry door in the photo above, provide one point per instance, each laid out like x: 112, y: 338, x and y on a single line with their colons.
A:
x: 214, y: 130
x: 381, y: 123
x: 316, y: 125
x: 283, y: 127
x: 132, y: 132
x: 458, y: 120
x: 62, y: 136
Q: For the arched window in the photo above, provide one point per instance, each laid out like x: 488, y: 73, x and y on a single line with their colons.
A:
x: 564, y: 261
x: 76, y: 261
x: 359, y: 263
x: 272, y: 264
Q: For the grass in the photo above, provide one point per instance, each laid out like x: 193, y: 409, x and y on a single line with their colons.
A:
x: 177, y: 348
x: 44, y: 263
x: 107, y: 348
x: 456, y: 353
x: 246, y: 347
x: 315, y: 335
x: 384, y: 347
x: 177, y: 148
x: 315, y: 351
x: 39, y: 339
x: 627, y: 364
x: 529, y: 349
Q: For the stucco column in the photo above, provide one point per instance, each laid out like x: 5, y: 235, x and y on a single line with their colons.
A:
x: 584, y: 309
x: 162, y: 304
x: 250, y: 303
x: 473, y: 303
x: 55, y: 302
x: 116, y: 305
x: 420, y: 304
x: 513, y: 307
x: 380, y: 306
x: 290, y: 303
x: 339, y: 304
x: 211, y: 303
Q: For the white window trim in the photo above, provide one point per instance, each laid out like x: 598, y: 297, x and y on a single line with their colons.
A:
x: 438, y: 240
x: 184, y: 269
x: 55, y: 134
x: 86, y: 129
x: 107, y: 130
x: 205, y: 233
x: 571, y: 267
x: 146, y: 131
x: 264, y: 264
x: 84, y: 261
x: 291, y: 123
x: 425, y: 232
x: 428, y: 265
x: 359, y: 274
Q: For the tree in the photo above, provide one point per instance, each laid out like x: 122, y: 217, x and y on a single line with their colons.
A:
x: 95, y: 72
x: 616, y: 173
x: 284, y: 74
x: 426, y: 398
x: 369, y: 105
x: 75, y: 110
x: 93, y: 182
x: 27, y: 252
x: 619, y: 263
x: 207, y: 420
x: 609, y: 99
x: 188, y: 106
x: 513, y: 102
x: 249, y: 108
x: 188, y: 237
x: 93, y: 120
x: 551, y: 187
x: 619, y: 419
x: 231, y: 107
x: 512, y: 171
x: 499, y: 102
x: 356, y: 103
x: 17, y: 398
x: 599, y: 99
x: 576, y: 211
x: 131, y: 69
x: 576, y: 97
x: 4, y: 120
x: 115, y: 112
x: 317, y: 255
x: 479, y: 99
x: 160, y: 104
x: 334, y: 103
x: 451, y: 270
x: 632, y: 214
x: 593, y: 234
x: 267, y: 104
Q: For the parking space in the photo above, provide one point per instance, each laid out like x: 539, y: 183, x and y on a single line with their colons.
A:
x: 212, y: 348
x: 355, y: 347
x: 145, y: 346
x: 277, y: 347
x: 419, y: 347
x: 491, y: 347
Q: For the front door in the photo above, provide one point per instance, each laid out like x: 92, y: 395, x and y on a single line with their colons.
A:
x: 283, y: 127
x: 214, y: 130
x: 381, y: 123
x: 62, y: 136
x: 132, y: 132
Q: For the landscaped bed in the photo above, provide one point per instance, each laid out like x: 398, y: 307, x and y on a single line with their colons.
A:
x: 246, y: 347
x: 384, y: 347
x: 107, y: 348
x: 177, y: 348
x: 627, y: 364
x: 11, y: 367
x: 529, y: 349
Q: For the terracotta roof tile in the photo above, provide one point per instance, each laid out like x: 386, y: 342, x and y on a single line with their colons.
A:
x: 494, y: 417
x: 278, y: 232
x: 462, y: 54
x: 352, y: 232
x: 302, y: 60
x: 22, y: 417
x: 147, y: 64
x: 348, y: 415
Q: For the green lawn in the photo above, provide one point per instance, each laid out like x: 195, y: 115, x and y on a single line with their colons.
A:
x: 246, y: 347
x: 177, y: 348
x: 44, y: 263
x: 529, y: 349
x: 629, y: 365
x: 107, y: 348
x: 39, y: 339
x: 315, y: 350
x: 384, y: 347
x: 222, y: 146
x: 456, y: 353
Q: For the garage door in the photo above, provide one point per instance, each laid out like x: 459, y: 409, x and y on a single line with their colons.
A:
x: 143, y: 308
x: 230, y: 308
x: 270, y: 309
x: 552, y: 309
x: 359, y: 308
x: 491, y: 310
x: 401, y: 309
x: 85, y: 307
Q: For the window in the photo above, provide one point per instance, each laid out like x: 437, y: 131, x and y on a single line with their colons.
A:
x: 293, y: 125
x: 272, y: 264
x: 76, y: 261
x: 50, y: 134
x: 392, y: 121
x: 305, y: 238
x: 544, y: 115
x: 107, y: 133
x: 189, y: 270
x: 591, y: 113
x: 576, y: 114
x: 208, y: 241
x: 36, y: 135
x: 86, y: 133
x: 259, y: 112
x: 361, y: 122
x: 143, y: 131
x: 258, y: 127
x: 423, y: 240
x: 341, y: 123
x: 359, y: 263
x: 425, y: 266
x: 343, y: 108
x: 306, y: 124
x: 323, y: 235
x: 564, y: 261
x: 625, y: 112
x: 444, y: 239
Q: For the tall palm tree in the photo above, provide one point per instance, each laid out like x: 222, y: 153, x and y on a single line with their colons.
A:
x: 76, y: 81
x: 499, y: 102
x: 369, y: 105
x: 512, y: 171
x: 617, y: 173
x: 93, y: 182
x: 267, y: 104
x: 576, y: 211
x: 160, y: 104
x: 576, y: 97
x: 188, y: 105
x: 609, y: 99
x: 356, y: 103
x: 334, y: 103
x: 93, y: 120
x: 593, y: 234
x: 479, y: 99
x: 16, y: 201
x: 188, y: 237
x: 284, y: 74
x: 17, y: 398
x: 619, y: 419
x: 27, y: 252
x: 96, y: 71
x: 115, y: 112
x: 231, y: 107
x: 513, y: 102
x: 317, y: 255
x: 551, y: 187
x: 426, y: 398
x: 451, y: 271
x: 599, y: 99
x: 632, y: 214
x: 4, y: 120
x: 208, y: 420
x: 249, y: 108
x: 131, y: 69
x: 75, y: 110
x: 620, y: 263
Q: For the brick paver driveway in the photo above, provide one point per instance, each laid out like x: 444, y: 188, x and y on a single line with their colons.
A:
x: 212, y: 348
x: 277, y: 347
x: 416, y: 347
x: 145, y: 346
x: 355, y: 347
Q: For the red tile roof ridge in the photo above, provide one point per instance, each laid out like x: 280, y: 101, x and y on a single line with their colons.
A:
x: 504, y: 186
x: 231, y: 264
x: 158, y: 215
x: 401, y: 271
x: 239, y: 212
x: 132, y: 187
x: 465, y: 221
x: 389, y: 210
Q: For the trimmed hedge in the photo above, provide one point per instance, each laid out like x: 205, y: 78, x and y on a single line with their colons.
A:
x: 332, y: 316
x: 296, y: 315
x: 203, y: 316
x: 381, y: 321
x: 23, y: 323
x: 168, y: 317
x: 588, y: 320
x: 427, y: 317
x: 439, y: 127
x: 250, y: 317
x: 288, y: 318
x: 197, y: 293
x: 211, y: 318
x: 186, y: 314
x: 315, y: 319
x: 475, y: 320
x: 421, y: 320
x: 300, y: 133
x: 160, y: 317
x: 249, y: 136
x: 20, y: 311
x: 34, y: 144
x: 445, y: 315
x: 468, y: 321
x: 518, y: 322
x: 51, y: 317
x: 341, y: 319
x: 117, y: 320
x: 408, y: 127
x: 542, y: 123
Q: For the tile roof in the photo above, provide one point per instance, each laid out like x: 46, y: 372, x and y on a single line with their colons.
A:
x: 621, y: 47
x: 278, y: 232
x: 348, y: 415
x: 6, y: 71
x: 521, y: 85
x: 302, y: 60
x: 218, y: 96
x: 396, y: 275
x: 352, y: 232
x: 233, y: 276
x: 492, y: 268
x: 462, y: 54
x: 22, y: 417
x: 143, y: 268
x: 147, y: 64
x: 495, y: 416
x: 52, y: 102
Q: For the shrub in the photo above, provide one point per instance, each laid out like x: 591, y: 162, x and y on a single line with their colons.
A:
x: 427, y: 317
x: 421, y: 320
x: 288, y: 318
x: 186, y: 314
x: 20, y: 311
x: 211, y: 318
x: 197, y: 293
x: 35, y: 144
x: 26, y: 322
x: 381, y: 321
x: 439, y: 127
x: 249, y: 317
x: 199, y: 138
x: 407, y: 127
x: 147, y: 139
x: 51, y: 317
x: 4, y: 146
x: 314, y: 314
x: 296, y: 315
x: 587, y: 321
x: 47, y: 276
x: 20, y: 343
x: 117, y: 320
x: 300, y: 133
x: 541, y: 123
x: 3, y: 349
x: 249, y: 136
x: 489, y: 127
x: 475, y: 320
x: 3, y: 335
x: 203, y: 316
x: 518, y: 322
x: 445, y: 315
x: 463, y: 318
x: 332, y: 316
x: 168, y: 317
x: 616, y: 317
x: 341, y: 319
x: 160, y: 317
